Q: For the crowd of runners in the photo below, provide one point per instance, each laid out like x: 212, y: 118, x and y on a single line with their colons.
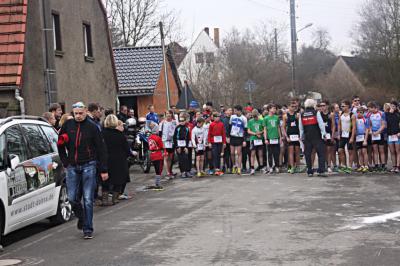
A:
x: 350, y: 136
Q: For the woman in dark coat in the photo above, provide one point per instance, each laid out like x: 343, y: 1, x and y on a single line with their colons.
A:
x: 117, y: 153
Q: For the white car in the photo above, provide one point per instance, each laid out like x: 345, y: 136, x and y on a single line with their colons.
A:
x: 32, y: 178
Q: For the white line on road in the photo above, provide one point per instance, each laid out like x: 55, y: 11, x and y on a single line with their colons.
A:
x: 365, y: 221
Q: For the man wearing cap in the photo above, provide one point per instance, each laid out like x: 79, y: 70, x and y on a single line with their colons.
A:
x: 82, y: 151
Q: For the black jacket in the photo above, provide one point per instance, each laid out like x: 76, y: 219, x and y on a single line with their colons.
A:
x: 82, y: 142
x: 117, y: 152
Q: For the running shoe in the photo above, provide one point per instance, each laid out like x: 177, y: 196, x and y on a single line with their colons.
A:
x: 292, y: 170
x: 330, y: 170
x: 219, y: 173
x: 348, y: 170
x: 277, y: 171
x: 289, y: 170
x: 365, y: 169
x: 271, y: 171
x: 199, y: 174
x: 252, y: 172
x: 335, y: 169
x: 211, y: 172
x: 239, y: 171
x: 88, y: 236
x: 234, y: 170
x: 265, y: 170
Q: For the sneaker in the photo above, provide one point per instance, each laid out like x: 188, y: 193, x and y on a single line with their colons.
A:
x: 88, y: 236
x: 310, y: 175
x: 292, y: 170
x: 189, y: 175
x: 335, y: 169
x: 396, y: 171
x: 277, y: 171
x: 203, y: 174
x: 271, y: 170
x: 199, y: 174
x: 265, y: 170
x: 234, y: 170
x: 158, y: 188
x: 252, y: 172
x: 330, y: 170
x: 183, y: 175
x: 239, y: 171
x: 289, y: 170
x: 219, y: 173
x: 360, y: 169
x: 228, y: 171
x: 211, y: 172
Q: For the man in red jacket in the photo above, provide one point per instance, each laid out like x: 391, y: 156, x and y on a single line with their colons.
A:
x: 217, y: 141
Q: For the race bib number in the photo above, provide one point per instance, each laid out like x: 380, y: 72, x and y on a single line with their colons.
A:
x: 200, y: 147
x: 377, y: 137
x: 294, y: 138
x: 360, y: 138
x: 258, y: 142
x: 393, y: 138
x: 190, y: 144
x: 274, y: 141
x: 345, y: 134
x: 328, y: 136
x: 168, y: 145
x: 293, y: 124
x: 235, y: 131
x: 218, y: 139
x: 181, y: 143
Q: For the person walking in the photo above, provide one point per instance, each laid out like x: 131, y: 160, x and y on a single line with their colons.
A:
x: 118, y: 152
x: 81, y: 148
x: 312, y: 132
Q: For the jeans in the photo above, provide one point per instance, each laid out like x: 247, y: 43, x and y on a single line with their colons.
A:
x: 81, y: 180
x: 319, y: 146
x: 216, y: 154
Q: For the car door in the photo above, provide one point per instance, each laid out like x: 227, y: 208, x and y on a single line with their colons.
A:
x: 34, y: 198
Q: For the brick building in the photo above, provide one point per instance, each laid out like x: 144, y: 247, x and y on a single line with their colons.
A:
x: 141, y: 78
x: 54, y: 51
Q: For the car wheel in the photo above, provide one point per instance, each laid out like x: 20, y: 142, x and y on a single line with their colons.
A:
x: 64, y: 209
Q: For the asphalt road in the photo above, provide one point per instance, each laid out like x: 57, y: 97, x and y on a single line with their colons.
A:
x: 231, y: 220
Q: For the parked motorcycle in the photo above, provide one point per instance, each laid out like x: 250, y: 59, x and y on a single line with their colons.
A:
x: 138, y: 142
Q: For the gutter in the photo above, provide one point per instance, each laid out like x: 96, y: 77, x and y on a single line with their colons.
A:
x: 21, y: 101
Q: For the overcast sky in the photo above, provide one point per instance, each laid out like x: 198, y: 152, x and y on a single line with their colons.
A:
x: 338, y: 16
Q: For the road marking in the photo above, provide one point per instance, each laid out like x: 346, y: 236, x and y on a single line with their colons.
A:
x: 365, y: 221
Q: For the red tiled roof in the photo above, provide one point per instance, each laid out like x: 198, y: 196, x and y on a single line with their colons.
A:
x: 12, y: 41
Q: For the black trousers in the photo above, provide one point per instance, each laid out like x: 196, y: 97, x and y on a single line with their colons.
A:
x: 216, y: 154
x: 319, y: 146
x: 227, y: 157
x: 274, y: 150
x: 183, y: 159
x: 246, y: 154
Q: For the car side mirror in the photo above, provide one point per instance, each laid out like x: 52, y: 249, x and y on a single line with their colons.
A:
x: 13, y: 161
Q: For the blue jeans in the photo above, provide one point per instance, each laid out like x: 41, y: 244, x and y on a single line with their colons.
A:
x: 81, y: 181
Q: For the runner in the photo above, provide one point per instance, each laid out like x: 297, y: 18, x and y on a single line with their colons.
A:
x: 167, y: 129
x: 291, y: 133
x: 181, y: 143
x: 217, y: 142
x: 227, y: 168
x: 256, y: 132
x: 156, y: 154
x: 208, y: 151
x: 393, y: 130
x: 329, y: 121
x: 246, y: 152
x: 273, y: 138
x: 377, y: 125
x: 238, y: 126
x: 347, y: 131
x: 362, y: 140
x: 198, y: 141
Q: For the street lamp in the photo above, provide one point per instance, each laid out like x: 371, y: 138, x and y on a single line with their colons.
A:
x: 294, y: 52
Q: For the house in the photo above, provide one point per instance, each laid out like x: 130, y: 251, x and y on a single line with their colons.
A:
x: 201, y: 54
x: 54, y: 51
x: 142, y: 81
x: 350, y: 70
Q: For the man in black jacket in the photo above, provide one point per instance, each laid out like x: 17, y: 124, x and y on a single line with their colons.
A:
x: 82, y: 150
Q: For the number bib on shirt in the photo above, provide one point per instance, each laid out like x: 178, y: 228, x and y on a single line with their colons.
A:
x: 345, y: 134
x: 377, y: 137
x: 258, y: 142
x: 274, y: 141
x: 218, y: 139
x: 235, y: 131
x: 294, y: 138
x: 328, y: 136
x: 393, y: 138
x: 360, y: 138
x: 200, y: 147
x: 181, y: 143
x: 168, y: 144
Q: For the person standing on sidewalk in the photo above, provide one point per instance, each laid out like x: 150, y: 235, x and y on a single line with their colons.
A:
x: 313, y: 134
x: 81, y: 147
x: 181, y: 143
x: 217, y: 142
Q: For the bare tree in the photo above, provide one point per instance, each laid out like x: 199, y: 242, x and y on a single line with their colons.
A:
x: 136, y: 22
x: 321, y: 39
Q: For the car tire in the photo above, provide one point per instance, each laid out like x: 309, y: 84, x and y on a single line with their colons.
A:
x: 64, y: 208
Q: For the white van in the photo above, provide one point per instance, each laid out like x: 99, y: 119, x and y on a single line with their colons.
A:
x: 32, y: 178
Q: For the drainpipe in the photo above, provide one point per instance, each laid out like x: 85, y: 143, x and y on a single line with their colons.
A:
x: 21, y: 101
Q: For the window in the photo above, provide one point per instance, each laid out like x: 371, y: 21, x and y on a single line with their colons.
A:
x: 3, y: 161
x: 210, y: 58
x: 16, y: 143
x: 37, y: 142
x: 57, y: 32
x: 52, y: 136
x: 87, y: 40
x: 199, y: 58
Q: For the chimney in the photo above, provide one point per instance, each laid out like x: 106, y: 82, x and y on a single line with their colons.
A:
x: 207, y: 30
x: 216, y: 36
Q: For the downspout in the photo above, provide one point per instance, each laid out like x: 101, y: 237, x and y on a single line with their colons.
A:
x: 20, y: 100
x: 45, y: 47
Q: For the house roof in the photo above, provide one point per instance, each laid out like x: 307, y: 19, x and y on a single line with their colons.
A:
x: 12, y: 41
x: 357, y: 64
x: 138, y: 69
x: 178, y: 52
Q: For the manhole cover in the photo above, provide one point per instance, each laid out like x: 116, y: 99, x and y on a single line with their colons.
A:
x: 9, y: 262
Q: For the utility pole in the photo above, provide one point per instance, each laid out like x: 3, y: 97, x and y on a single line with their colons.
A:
x: 276, y: 43
x: 294, y: 43
x: 165, y: 66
